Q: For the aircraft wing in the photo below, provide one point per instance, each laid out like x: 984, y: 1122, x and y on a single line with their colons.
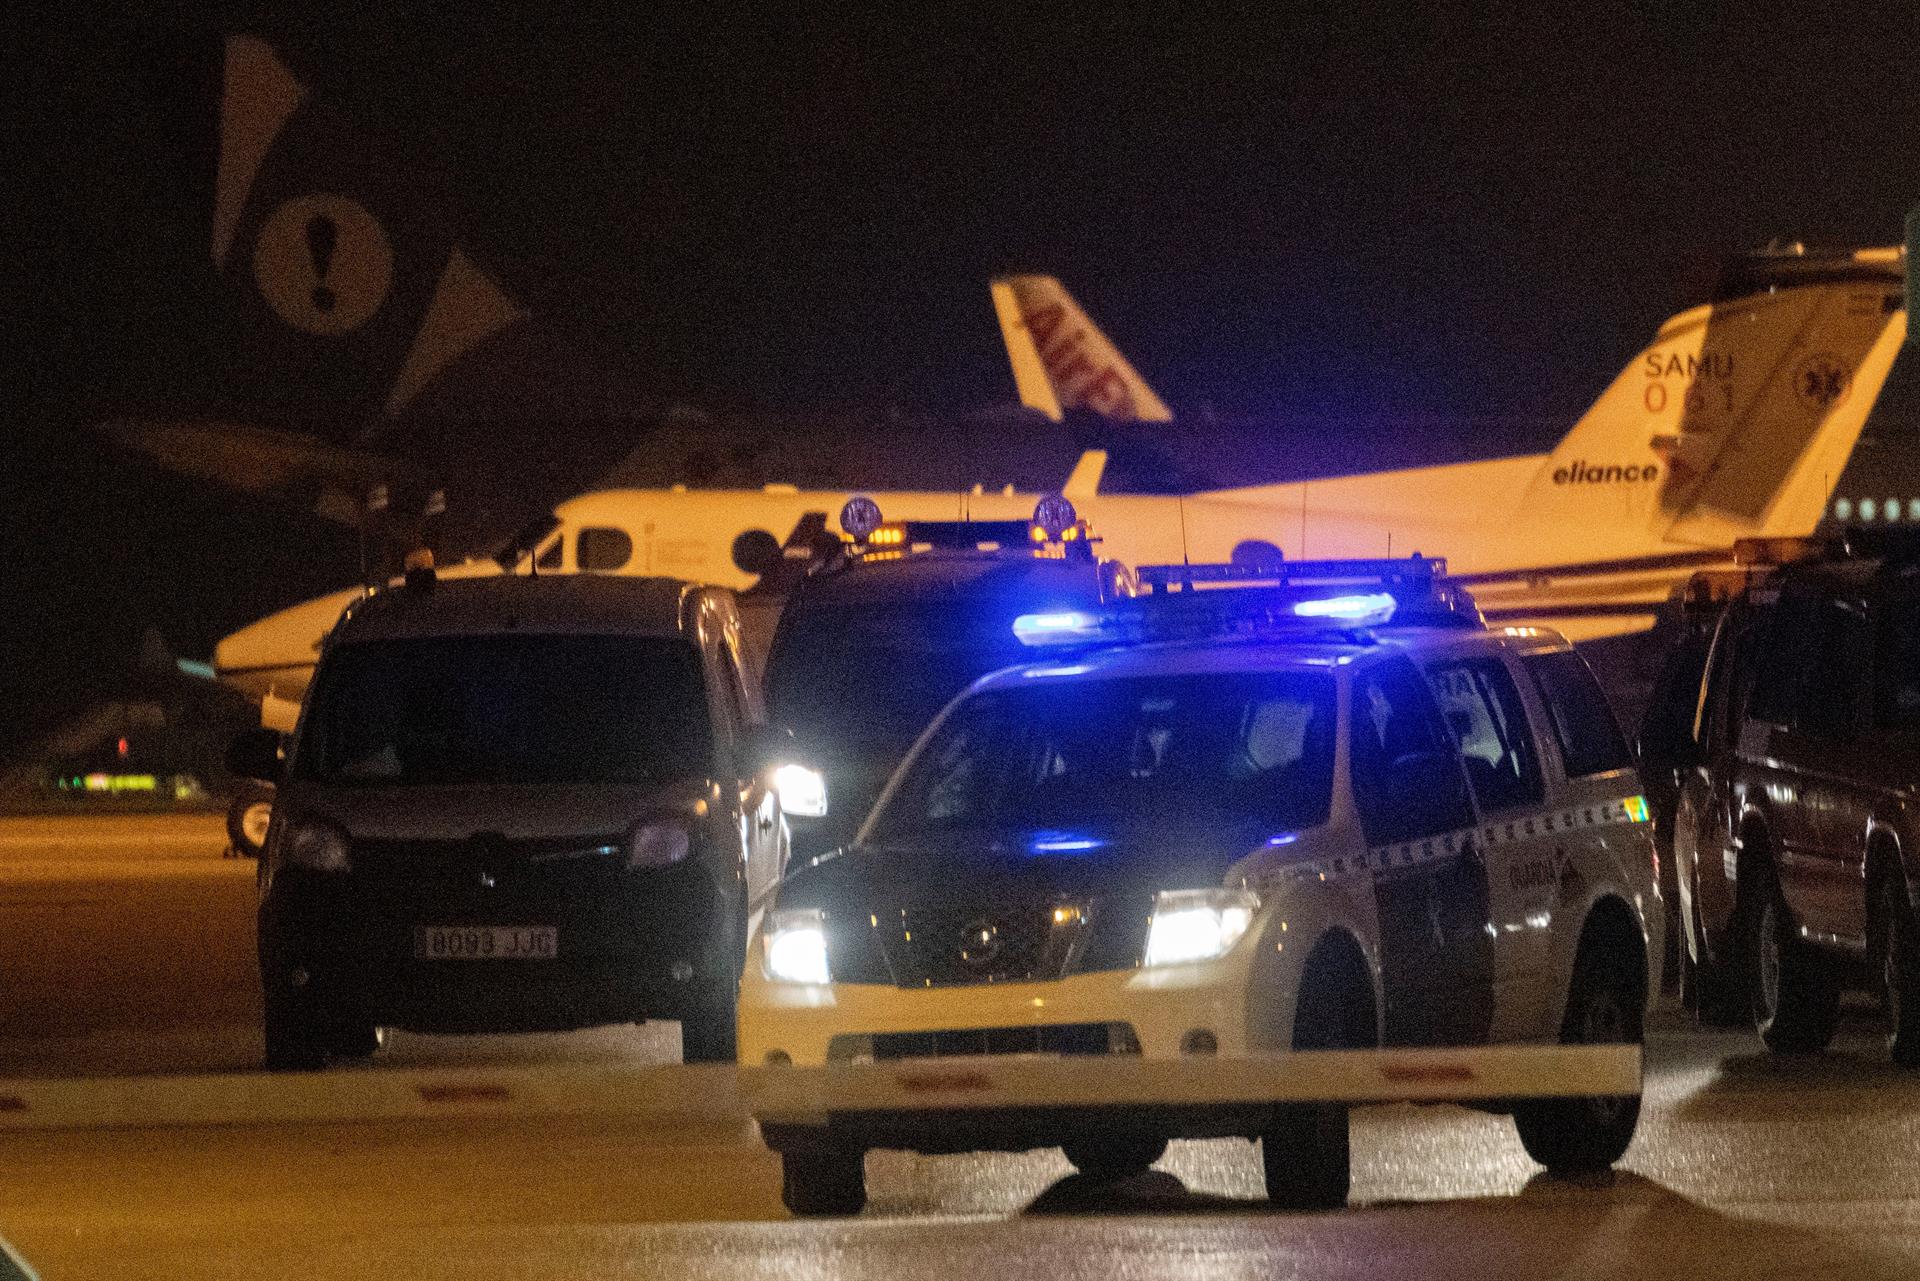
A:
x: 1625, y: 588
x: 330, y: 480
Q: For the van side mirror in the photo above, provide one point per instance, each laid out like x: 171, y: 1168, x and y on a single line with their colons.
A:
x: 765, y: 747
x: 802, y: 788
x: 259, y: 754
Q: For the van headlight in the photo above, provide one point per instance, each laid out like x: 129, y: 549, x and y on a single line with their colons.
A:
x: 1198, y: 925
x: 802, y: 791
x: 794, y: 946
x: 657, y: 845
x: 317, y: 847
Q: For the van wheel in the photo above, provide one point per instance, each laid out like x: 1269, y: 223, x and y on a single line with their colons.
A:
x: 1900, y: 970
x: 294, y: 1037
x: 818, y: 1181
x: 1604, y: 1007
x: 248, y: 814
x: 1795, y: 988
x: 1114, y: 1156
x: 708, y: 1035
x: 356, y: 1040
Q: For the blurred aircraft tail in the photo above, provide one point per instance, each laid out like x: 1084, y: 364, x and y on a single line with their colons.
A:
x: 1738, y: 418
x: 1060, y: 358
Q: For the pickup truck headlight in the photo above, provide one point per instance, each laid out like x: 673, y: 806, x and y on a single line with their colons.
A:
x: 802, y: 791
x: 317, y: 847
x: 1198, y: 925
x: 794, y: 946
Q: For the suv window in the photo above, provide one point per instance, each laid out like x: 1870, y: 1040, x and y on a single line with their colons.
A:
x: 1896, y: 664
x: 1589, y: 737
x: 1406, y: 775
x: 1806, y: 679
x: 1482, y: 707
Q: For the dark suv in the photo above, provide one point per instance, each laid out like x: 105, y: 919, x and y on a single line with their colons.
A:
x: 1795, y: 836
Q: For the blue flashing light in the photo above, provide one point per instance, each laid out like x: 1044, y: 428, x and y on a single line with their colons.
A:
x: 1372, y: 607
x: 1064, y: 843
x: 1070, y: 669
x: 1056, y: 627
x: 1284, y: 838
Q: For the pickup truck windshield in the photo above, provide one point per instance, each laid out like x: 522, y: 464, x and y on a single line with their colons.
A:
x: 1117, y: 754
x: 507, y: 709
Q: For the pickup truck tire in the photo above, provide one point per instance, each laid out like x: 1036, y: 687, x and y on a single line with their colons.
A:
x: 1605, y: 1004
x: 1900, y: 970
x: 817, y: 1181
x: 1305, y: 1149
x: 1795, y: 986
x: 1114, y: 1156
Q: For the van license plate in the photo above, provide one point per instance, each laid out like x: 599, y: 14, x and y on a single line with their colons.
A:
x: 485, y: 942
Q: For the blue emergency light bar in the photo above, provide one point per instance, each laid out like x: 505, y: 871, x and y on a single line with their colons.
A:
x: 1250, y: 600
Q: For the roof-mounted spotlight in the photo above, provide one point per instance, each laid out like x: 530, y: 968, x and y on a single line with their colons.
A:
x: 1053, y: 515
x: 860, y: 517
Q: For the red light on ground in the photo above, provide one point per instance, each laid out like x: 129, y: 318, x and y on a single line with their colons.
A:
x: 121, y: 747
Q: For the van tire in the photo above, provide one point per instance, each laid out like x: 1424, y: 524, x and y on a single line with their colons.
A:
x: 1795, y: 986
x: 295, y: 1040
x: 1606, y: 1001
x: 820, y: 1181
x: 709, y: 1034
x: 248, y: 813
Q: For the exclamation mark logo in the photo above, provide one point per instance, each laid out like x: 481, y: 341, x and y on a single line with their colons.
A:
x: 322, y: 235
x: 323, y: 264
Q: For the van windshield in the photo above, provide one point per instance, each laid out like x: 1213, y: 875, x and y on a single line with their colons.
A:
x: 1119, y: 755
x: 507, y: 709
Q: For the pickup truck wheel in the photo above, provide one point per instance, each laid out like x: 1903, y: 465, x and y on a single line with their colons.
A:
x: 1604, y: 1007
x: 1305, y: 1155
x: 1305, y: 1149
x: 1114, y: 1156
x: 823, y: 1181
x: 1900, y: 971
x: 1795, y: 986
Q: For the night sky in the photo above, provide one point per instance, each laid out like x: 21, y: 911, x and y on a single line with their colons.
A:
x: 1273, y: 212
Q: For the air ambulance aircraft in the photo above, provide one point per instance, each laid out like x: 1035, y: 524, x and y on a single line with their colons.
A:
x: 1733, y: 423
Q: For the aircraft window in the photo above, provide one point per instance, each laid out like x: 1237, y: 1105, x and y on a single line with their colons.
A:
x: 603, y: 550
x: 549, y: 557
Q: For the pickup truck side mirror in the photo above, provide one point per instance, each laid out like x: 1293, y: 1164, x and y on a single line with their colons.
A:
x: 259, y: 754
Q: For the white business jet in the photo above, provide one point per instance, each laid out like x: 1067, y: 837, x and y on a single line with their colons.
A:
x: 1733, y: 423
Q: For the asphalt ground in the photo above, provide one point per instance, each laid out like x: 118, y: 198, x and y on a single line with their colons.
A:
x: 125, y: 946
